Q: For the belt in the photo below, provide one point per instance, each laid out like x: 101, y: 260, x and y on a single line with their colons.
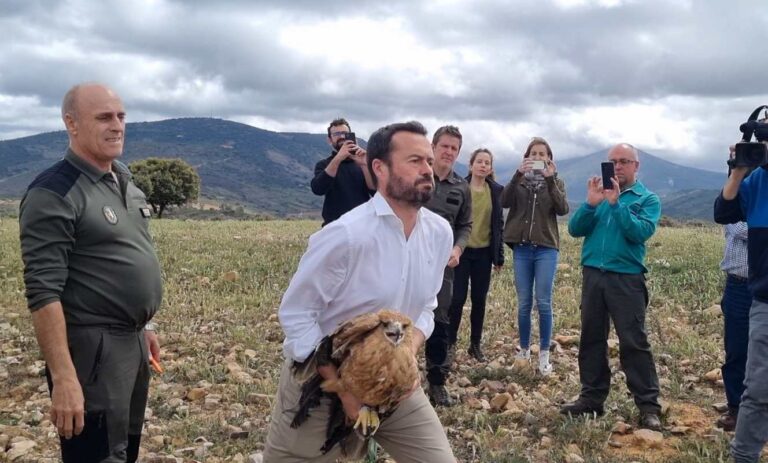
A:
x: 737, y: 278
x: 109, y: 327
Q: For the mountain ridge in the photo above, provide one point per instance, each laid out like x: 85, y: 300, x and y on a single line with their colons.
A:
x: 269, y: 172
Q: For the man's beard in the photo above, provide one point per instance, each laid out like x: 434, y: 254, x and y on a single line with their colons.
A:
x: 410, y: 194
x: 337, y: 146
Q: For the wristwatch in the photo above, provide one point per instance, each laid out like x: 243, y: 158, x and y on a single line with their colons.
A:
x: 150, y: 326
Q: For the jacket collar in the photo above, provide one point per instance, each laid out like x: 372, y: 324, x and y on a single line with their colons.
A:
x: 93, y: 173
x: 452, y: 178
x: 637, y: 188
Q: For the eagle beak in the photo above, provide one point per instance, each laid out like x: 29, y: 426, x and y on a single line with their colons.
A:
x: 395, y: 333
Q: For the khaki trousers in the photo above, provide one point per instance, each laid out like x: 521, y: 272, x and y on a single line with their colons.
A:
x: 412, y: 434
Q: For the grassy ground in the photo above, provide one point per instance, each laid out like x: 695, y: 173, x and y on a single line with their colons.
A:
x: 216, y: 324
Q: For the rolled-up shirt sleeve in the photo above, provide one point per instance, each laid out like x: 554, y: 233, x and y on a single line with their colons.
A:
x: 317, y: 281
x: 426, y: 321
x: 47, y: 235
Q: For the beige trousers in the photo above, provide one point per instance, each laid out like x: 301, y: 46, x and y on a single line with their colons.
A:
x: 412, y: 434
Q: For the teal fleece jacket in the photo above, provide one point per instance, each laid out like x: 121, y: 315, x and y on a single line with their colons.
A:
x: 615, y: 235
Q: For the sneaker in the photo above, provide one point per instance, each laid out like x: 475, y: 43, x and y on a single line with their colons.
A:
x: 727, y: 421
x: 579, y: 407
x: 475, y: 351
x: 524, y: 354
x: 439, y: 396
x: 650, y: 421
x: 545, y: 368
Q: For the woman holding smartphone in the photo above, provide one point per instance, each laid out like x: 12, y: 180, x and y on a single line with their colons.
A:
x: 484, y: 250
x: 535, y: 197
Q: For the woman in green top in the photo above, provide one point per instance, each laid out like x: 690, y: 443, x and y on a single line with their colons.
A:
x: 484, y: 250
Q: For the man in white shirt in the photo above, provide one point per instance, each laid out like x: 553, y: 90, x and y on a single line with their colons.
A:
x: 389, y: 252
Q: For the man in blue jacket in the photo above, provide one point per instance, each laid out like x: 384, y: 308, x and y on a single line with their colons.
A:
x: 746, y: 199
x: 616, y: 223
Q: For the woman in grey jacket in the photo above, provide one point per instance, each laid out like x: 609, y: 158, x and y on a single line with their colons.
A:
x: 535, y: 197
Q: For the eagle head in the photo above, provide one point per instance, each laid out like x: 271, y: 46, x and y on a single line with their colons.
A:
x: 394, y: 331
x: 395, y: 325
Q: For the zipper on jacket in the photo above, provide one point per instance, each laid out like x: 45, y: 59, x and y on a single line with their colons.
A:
x: 533, y: 211
x: 602, y: 251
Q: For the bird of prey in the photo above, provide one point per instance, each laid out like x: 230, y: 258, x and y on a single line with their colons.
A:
x: 375, y: 363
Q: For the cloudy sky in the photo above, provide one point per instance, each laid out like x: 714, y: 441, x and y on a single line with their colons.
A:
x: 674, y: 77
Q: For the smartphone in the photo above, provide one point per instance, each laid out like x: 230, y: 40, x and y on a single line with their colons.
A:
x: 606, y: 168
x: 538, y: 165
x: 350, y: 136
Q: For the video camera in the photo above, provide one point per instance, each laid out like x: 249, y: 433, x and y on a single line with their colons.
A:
x: 749, y: 153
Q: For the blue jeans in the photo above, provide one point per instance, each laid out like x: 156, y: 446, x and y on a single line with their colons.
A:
x: 535, y: 266
x: 735, y: 305
x: 752, y: 424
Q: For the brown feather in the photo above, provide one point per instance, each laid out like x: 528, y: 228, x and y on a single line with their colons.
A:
x: 372, y: 367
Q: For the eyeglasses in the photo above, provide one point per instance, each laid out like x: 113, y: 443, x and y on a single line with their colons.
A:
x: 623, y: 162
x: 338, y: 134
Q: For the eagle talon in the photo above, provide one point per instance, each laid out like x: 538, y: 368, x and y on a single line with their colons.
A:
x: 367, y: 419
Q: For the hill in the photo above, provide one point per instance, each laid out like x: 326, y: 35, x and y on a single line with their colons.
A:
x: 685, y: 192
x: 237, y: 163
x: 269, y: 172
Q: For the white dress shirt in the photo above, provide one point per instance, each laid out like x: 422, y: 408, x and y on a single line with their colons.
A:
x: 362, y: 263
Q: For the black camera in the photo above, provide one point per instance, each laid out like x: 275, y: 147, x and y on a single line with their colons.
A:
x: 749, y: 153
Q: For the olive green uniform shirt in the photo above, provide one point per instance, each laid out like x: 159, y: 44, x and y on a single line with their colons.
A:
x: 85, y: 241
x: 452, y: 201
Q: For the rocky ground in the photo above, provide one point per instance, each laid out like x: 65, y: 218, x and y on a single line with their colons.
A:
x: 222, y: 342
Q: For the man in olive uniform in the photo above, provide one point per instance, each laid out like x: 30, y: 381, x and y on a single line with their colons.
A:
x: 452, y: 201
x: 92, y: 283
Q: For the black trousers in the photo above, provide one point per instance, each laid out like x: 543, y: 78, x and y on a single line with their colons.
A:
x: 113, y: 370
x: 623, y: 298
x: 475, y: 265
x: 436, y: 347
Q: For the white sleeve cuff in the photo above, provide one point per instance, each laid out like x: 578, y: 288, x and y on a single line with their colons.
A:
x: 301, y: 347
x: 426, y: 323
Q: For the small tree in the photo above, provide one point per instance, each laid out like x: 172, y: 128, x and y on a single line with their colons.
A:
x: 166, y: 182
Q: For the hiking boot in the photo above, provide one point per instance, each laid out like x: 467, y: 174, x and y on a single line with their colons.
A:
x: 475, y: 351
x: 727, y: 421
x: 439, y: 396
x: 450, y: 356
x: 579, y: 407
x: 650, y: 421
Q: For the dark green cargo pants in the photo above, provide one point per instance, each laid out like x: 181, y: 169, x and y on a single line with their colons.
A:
x: 113, y: 371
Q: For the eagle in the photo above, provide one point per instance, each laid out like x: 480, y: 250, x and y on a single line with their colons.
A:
x: 375, y: 363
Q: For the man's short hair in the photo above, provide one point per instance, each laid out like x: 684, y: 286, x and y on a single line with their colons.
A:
x: 380, y: 143
x: 69, y: 103
x: 451, y: 130
x: 336, y: 123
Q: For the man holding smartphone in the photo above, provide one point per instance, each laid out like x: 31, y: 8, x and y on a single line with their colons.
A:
x: 342, y: 177
x: 616, y: 223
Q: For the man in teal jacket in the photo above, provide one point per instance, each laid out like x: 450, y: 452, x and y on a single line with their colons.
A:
x: 615, y: 224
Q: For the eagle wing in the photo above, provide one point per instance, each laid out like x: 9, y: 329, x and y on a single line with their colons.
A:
x: 352, y: 332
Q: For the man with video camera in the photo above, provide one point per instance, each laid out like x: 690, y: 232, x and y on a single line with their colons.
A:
x: 342, y: 177
x: 745, y: 198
